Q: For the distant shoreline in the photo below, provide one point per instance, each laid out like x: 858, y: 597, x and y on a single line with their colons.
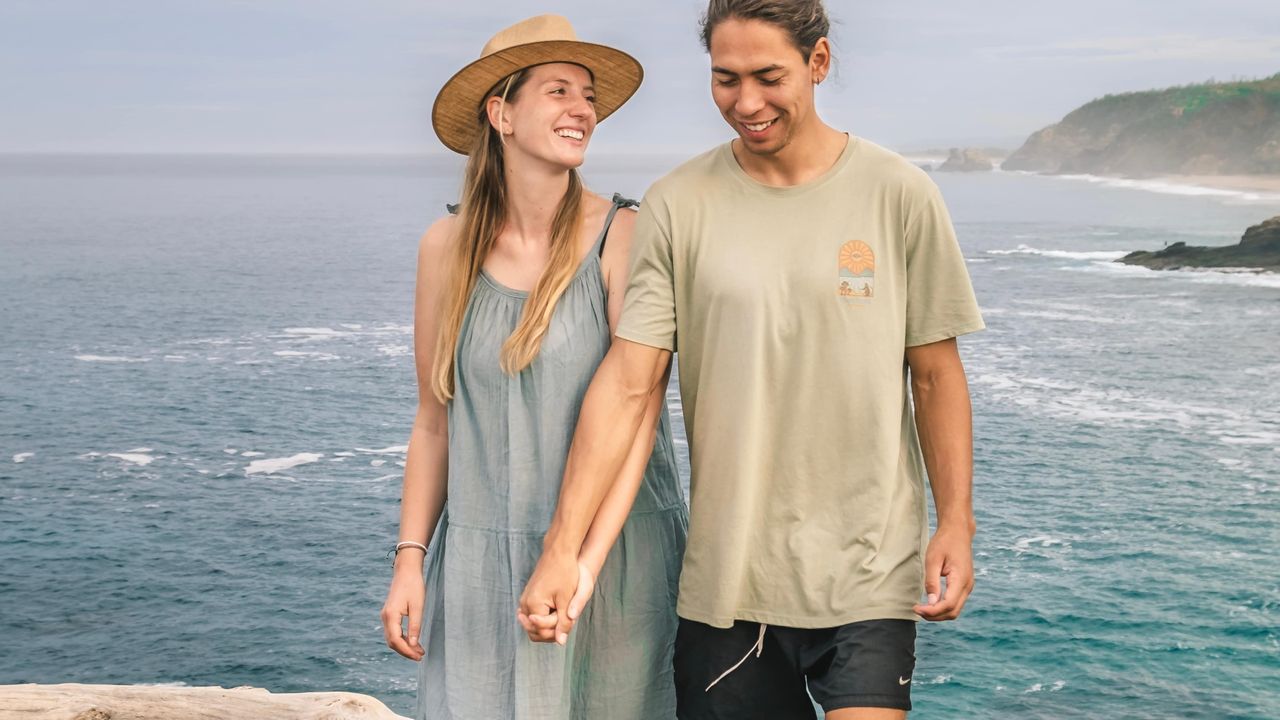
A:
x: 1248, y: 183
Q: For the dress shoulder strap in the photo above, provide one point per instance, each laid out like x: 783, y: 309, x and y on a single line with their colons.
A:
x: 619, y: 202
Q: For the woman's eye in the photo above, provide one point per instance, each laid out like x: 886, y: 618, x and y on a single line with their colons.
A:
x: 591, y: 99
x: 770, y: 81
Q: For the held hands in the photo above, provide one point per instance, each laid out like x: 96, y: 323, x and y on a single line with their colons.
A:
x: 950, y: 556
x: 554, y: 597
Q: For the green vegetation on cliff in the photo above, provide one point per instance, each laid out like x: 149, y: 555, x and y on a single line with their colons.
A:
x: 1215, y: 128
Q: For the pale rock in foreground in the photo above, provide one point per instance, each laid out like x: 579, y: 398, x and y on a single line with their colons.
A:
x: 71, y: 701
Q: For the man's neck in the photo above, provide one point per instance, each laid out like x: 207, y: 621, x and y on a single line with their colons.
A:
x: 808, y: 155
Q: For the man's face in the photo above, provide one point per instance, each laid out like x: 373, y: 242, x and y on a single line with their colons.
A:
x: 760, y: 82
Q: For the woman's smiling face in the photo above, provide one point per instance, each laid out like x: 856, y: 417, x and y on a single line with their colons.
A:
x: 553, y: 115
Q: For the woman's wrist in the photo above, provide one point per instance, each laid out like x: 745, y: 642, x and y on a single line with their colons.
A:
x: 408, y: 553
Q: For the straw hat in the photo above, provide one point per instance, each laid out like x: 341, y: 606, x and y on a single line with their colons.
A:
x: 538, y: 40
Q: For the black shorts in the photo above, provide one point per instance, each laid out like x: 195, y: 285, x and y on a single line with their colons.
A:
x: 862, y: 664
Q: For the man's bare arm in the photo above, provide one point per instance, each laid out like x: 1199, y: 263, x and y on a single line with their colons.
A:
x: 944, y: 424
x: 611, y: 416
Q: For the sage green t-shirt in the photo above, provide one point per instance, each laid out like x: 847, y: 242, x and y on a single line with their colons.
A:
x: 790, y: 309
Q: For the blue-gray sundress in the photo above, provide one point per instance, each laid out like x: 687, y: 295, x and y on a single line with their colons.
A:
x: 509, y: 439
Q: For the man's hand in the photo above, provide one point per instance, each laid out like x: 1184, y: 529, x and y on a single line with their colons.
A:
x: 950, y: 555
x: 549, y: 591
x: 542, y: 628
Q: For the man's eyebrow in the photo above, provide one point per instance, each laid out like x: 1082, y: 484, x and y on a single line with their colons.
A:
x: 762, y: 71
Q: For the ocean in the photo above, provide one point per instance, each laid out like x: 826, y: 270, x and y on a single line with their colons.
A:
x: 206, y: 387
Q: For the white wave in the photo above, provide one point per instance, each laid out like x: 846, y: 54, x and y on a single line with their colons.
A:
x: 140, y: 450
x: 230, y: 451
x: 275, y: 465
x: 1055, y: 687
x: 386, y: 450
x: 135, y: 458
x: 111, y: 359
x: 394, y: 350
x: 344, y: 453
x: 299, y: 353
x: 377, y: 463
x: 1119, y: 407
x: 251, y: 453
x: 23, y: 457
x: 1064, y: 254
x: 1216, y: 276
x: 977, y: 260
x: 1167, y: 186
x: 316, y: 332
x: 175, y: 358
x: 352, y: 326
x: 1256, y: 437
x: 1069, y: 317
x: 1044, y: 541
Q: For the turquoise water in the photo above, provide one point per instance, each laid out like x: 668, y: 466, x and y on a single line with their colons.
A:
x: 176, y: 328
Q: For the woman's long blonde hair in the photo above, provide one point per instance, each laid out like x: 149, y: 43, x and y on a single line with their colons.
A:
x: 481, y: 215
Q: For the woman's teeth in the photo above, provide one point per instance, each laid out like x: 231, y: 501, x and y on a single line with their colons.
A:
x: 573, y: 134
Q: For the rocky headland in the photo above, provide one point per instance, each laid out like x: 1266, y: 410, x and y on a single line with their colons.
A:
x: 966, y: 160
x: 1258, y: 249
x: 1229, y: 128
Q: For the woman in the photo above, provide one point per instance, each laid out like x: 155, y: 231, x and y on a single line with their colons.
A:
x: 517, y: 297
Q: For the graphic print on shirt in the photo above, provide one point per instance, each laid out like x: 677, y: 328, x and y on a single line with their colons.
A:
x: 856, y: 280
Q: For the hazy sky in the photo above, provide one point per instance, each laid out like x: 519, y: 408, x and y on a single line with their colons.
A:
x: 360, y: 75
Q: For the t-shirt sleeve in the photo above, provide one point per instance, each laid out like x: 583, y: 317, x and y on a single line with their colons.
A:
x: 649, y: 307
x: 940, y: 299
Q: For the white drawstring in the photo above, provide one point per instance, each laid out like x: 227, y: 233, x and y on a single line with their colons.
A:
x: 758, y: 647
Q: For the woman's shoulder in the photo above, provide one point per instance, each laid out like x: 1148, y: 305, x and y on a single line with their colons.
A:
x: 437, y: 236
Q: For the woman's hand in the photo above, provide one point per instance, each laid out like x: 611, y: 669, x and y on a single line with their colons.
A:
x: 542, y: 628
x: 406, y: 597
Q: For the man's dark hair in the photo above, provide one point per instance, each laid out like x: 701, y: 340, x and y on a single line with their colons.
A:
x: 804, y: 20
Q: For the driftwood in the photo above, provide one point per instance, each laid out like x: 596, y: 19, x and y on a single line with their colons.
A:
x: 72, y: 701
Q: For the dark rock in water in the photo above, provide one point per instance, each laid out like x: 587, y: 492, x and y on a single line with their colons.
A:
x: 1259, y: 249
x: 966, y: 160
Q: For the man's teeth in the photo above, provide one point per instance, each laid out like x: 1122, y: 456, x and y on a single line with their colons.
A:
x: 575, y: 134
x: 759, y: 127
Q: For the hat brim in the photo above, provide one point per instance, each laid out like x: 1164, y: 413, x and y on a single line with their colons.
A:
x: 616, y: 75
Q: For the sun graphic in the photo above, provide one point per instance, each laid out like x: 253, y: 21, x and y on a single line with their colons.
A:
x: 856, y: 257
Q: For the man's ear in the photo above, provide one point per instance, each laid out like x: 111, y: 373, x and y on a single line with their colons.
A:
x: 820, y: 60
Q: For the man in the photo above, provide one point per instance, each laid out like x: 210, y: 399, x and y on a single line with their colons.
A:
x: 803, y: 274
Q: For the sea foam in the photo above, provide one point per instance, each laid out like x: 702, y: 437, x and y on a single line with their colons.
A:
x: 1023, y: 249
x: 275, y: 465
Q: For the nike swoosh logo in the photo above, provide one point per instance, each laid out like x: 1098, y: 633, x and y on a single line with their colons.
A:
x: 902, y: 681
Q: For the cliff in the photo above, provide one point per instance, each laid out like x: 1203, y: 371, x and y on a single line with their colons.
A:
x: 1207, y: 129
x: 966, y: 160
x: 1259, y: 249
